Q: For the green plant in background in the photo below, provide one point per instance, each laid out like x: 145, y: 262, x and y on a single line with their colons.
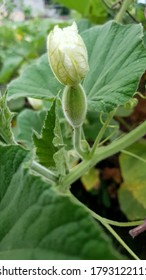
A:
x: 21, y: 42
x: 40, y: 217
x: 94, y: 10
x: 98, y: 11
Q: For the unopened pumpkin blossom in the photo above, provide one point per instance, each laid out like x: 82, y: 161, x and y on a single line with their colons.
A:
x: 67, y: 55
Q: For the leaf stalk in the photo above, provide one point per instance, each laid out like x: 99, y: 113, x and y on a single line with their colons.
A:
x: 101, y: 132
x: 103, y: 153
x: 48, y: 174
x: 78, y: 143
x: 123, y: 9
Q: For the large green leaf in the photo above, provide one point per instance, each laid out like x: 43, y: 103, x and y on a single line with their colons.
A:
x: 117, y: 59
x: 27, y: 122
x: 132, y: 193
x: 11, y: 63
x: 36, y: 81
x: 144, y: 38
x: 38, y: 223
x: 83, y: 25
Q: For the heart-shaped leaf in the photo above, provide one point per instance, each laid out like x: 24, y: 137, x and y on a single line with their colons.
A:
x: 39, y: 223
x: 117, y: 60
x: 37, y: 81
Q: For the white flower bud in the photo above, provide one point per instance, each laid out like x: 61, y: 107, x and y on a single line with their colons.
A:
x: 67, y: 55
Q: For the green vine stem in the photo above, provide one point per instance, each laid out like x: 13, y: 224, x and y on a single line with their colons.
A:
x: 77, y: 142
x: 99, y: 155
x: 102, y: 131
x: 115, y: 223
x: 86, y: 164
x: 48, y: 174
x: 122, y: 11
x: 105, y: 223
x: 119, y: 239
x: 104, y: 152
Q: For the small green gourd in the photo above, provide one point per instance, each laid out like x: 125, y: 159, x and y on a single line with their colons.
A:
x: 74, y: 104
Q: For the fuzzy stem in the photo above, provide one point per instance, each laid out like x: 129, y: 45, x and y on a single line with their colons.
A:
x: 101, y: 132
x: 104, y: 152
x: 115, y: 223
x: 105, y: 223
x: 120, y: 240
x: 51, y: 176
x: 124, y: 7
x: 77, y: 142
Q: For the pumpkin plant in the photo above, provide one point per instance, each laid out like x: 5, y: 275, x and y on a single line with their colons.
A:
x: 95, y: 71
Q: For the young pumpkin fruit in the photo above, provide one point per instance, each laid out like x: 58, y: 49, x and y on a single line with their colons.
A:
x: 74, y: 104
